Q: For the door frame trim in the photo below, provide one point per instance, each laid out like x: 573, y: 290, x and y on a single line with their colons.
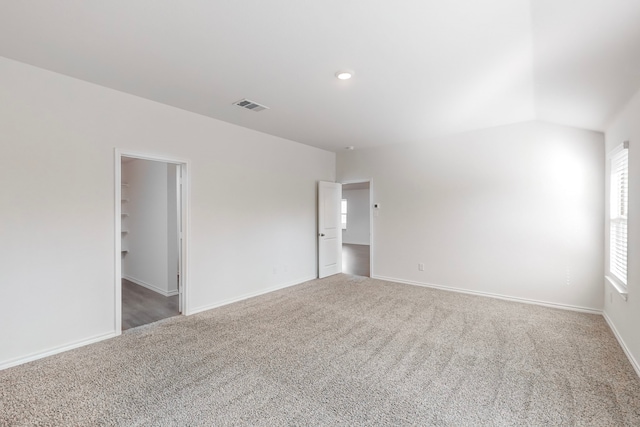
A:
x: 185, y: 165
x: 371, y: 246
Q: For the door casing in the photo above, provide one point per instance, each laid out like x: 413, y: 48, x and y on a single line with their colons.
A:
x: 183, y: 238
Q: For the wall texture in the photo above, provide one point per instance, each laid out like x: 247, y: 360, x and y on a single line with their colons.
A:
x: 358, y: 217
x: 253, y: 206
x: 514, y: 211
x: 624, y: 316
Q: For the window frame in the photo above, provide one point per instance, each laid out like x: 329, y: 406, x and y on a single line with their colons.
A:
x: 618, y: 217
x: 343, y: 213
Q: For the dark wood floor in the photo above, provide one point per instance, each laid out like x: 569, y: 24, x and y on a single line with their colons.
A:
x: 141, y: 305
x: 355, y: 259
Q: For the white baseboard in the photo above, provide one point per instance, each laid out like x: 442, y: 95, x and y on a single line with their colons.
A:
x: 55, y: 350
x: 249, y: 295
x: 633, y: 361
x: 492, y: 295
x: 150, y: 286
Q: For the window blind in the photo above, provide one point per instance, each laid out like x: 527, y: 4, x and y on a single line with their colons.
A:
x: 618, y: 214
x: 343, y: 213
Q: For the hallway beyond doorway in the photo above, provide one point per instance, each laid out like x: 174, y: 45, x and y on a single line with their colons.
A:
x: 355, y: 259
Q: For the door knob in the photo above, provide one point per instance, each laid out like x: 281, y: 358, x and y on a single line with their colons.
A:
x: 321, y: 234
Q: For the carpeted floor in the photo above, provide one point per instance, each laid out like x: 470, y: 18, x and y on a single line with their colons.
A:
x: 345, y: 350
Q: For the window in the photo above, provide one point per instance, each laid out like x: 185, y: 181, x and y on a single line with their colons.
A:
x: 618, y: 213
x: 343, y: 213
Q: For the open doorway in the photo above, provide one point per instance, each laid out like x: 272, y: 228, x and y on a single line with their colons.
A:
x: 150, y: 219
x: 356, y: 228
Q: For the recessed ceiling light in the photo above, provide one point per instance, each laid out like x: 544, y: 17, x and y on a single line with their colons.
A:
x: 344, y: 75
x: 350, y: 147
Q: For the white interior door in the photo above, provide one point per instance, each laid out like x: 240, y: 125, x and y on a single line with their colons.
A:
x: 329, y: 229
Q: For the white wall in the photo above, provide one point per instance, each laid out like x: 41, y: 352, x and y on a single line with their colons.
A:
x: 515, y: 211
x: 253, y: 205
x: 624, y: 316
x: 358, y: 220
x: 152, y: 239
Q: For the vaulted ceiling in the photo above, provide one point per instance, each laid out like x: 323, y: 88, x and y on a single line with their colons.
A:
x: 422, y: 67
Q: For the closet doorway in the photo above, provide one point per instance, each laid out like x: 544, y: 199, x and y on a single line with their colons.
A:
x: 151, y: 213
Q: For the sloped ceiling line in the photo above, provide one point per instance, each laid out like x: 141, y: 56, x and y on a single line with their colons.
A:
x: 422, y: 67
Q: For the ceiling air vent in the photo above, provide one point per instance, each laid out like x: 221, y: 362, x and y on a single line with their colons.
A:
x: 250, y: 105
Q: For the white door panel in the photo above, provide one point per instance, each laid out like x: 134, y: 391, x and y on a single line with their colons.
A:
x: 329, y: 229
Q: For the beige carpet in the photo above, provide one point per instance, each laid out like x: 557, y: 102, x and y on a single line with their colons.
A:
x: 339, y: 351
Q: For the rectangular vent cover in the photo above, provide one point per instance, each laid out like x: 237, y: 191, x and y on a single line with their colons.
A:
x: 250, y: 105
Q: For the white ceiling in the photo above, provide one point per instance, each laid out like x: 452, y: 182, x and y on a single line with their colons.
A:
x: 422, y: 67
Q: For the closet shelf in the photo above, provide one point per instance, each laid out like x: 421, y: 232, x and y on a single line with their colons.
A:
x: 123, y: 214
